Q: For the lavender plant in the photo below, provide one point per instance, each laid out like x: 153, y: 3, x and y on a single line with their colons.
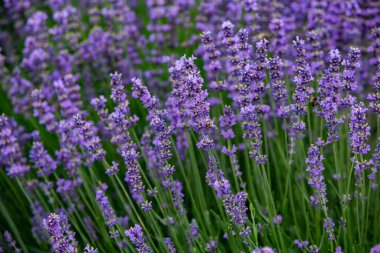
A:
x: 189, y: 126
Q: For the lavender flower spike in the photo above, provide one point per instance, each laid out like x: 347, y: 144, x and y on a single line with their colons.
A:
x: 88, y: 138
x: 136, y: 236
x: 359, y: 129
x: 315, y: 168
x: 61, y: 237
x: 105, y: 206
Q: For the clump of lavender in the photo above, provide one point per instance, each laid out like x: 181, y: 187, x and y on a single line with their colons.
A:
x: 61, y: 237
x: 136, y: 236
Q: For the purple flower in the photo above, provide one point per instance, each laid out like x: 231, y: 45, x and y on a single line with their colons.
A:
x: 277, y: 27
x: 359, y: 129
x: 329, y: 225
x: 68, y: 96
x: 227, y: 121
x: 141, y: 92
x: 132, y: 176
x: 43, y: 110
x: 210, y: 56
x: 278, y: 86
x: 234, y: 205
x: 11, y: 243
x: 303, y: 92
x: 90, y: 249
x: 136, y: 236
x: 375, y: 249
x: 19, y: 92
x: 376, y: 165
x: 351, y: 65
x: 187, y: 88
x: 252, y: 131
x: 277, y: 219
x: 88, y: 138
x: 374, y: 97
x: 338, y: 249
x: 211, y: 246
x: 106, y: 208
x: 113, y: 169
x: 120, y: 121
x: 316, y: 179
x: 61, y: 237
x: 301, y: 244
x: 265, y: 249
x: 41, y: 158
x: 230, y: 43
x: 315, y: 45
x: 10, y: 151
x: 99, y: 105
x: 162, y: 142
x: 169, y: 245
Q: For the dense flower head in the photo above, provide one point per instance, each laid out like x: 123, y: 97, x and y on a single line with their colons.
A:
x: 61, y: 237
x: 303, y: 92
x: 315, y: 169
x: 227, y: 121
x: 234, y: 204
x: 41, y: 158
x: 169, y: 245
x: 230, y: 43
x: 136, y: 236
x: 88, y: 138
x: 11, y: 153
x: 106, y: 208
x: 133, y: 176
x: 374, y: 97
x: 68, y: 95
x: 211, y: 56
x: 277, y: 84
x: 43, y: 110
x: 253, y: 132
x: 359, y: 129
x: 351, y: 65
x: 141, y: 92
x: 329, y: 225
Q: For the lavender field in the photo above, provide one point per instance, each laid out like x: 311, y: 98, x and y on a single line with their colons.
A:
x: 189, y: 126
